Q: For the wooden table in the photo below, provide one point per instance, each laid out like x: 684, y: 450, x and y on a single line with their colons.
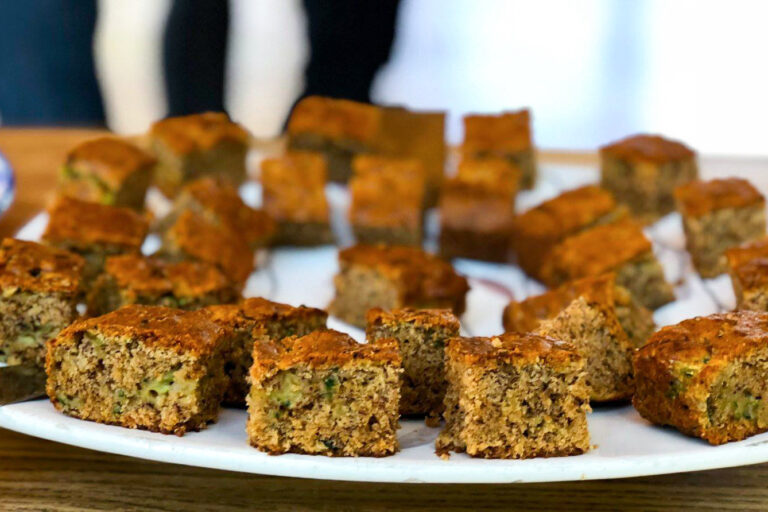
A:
x: 41, y: 475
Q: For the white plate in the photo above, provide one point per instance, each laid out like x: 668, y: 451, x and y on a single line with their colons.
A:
x: 625, y: 444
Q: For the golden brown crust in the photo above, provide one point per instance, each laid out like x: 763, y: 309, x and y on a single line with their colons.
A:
x: 648, y: 148
x: 319, y: 349
x: 512, y: 348
x: 197, y: 132
x: 207, y: 242
x: 40, y: 268
x: 182, y: 331
x: 426, y: 276
x: 335, y: 119
x: 294, y: 187
x: 675, y: 372
x: 539, y: 229
x: 508, y: 132
x: 223, y: 200
x: 718, y: 338
x: 596, y: 251
x: 497, y: 174
x: 109, y: 158
x: 155, y: 276
x: 258, y: 309
x: 526, y: 315
x: 699, y: 197
x: 80, y: 223
x: 386, y: 192
x: 421, y: 317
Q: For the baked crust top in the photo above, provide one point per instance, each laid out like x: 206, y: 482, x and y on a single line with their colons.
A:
x: 507, y: 132
x: 387, y: 192
x: 150, y: 275
x: 648, y: 148
x: 39, y: 268
x: 494, y: 173
x: 421, y: 274
x: 208, y: 242
x: 294, y: 187
x: 80, y: 223
x: 598, y: 250
x: 525, y: 315
x: 109, y: 158
x: 512, y: 348
x: 182, y: 331
x: 567, y: 213
x: 699, y: 197
x: 422, y: 317
x: 197, y: 132
x: 257, y: 309
x: 320, y: 349
x: 335, y: 119
x: 221, y: 202
x: 710, y: 340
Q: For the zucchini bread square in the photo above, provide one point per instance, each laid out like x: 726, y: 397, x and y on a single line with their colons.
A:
x: 387, y: 199
x: 293, y: 193
x: 337, y: 129
x: 540, y: 229
x: 39, y: 288
x: 324, y: 394
x: 418, y: 135
x: 719, y: 215
x: 109, y: 171
x: 642, y: 172
x: 619, y: 247
x: 477, y: 212
x: 421, y: 335
x: 707, y: 376
x: 394, y: 277
x: 94, y: 231
x: 145, y: 367
x: 259, y: 319
x: 600, y: 319
x: 136, y: 279
x: 220, y: 203
x: 194, y: 238
x: 198, y: 145
x: 514, y: 396
x: 748, y: 267
x: 506, y: 135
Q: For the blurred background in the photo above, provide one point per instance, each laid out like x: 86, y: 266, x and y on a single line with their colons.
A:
x: 592, y: 71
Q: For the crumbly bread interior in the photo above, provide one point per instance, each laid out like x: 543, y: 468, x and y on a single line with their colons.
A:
x: 348, y: 411
x: 598, y: 336
x: 644, y: 278
x: 302, y: 233
x: 28, y: 320
x: 515, y: 412
x: 360, y: 288
x: 123, y: 381
x: 423, y: 378
x: 737, y: 406
x: 709, y: 236
x: 240, y: 358
x: 636, y: 320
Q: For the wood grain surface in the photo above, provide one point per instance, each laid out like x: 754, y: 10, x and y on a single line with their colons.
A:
x: 41, y: 475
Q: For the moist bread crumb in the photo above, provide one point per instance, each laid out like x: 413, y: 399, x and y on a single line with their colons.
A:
x: 145, y: 367
x: 707, y: 376
x: 421, y: 335
x: 39, y: 289
x: 324, y: 394
x: 514, y: 396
